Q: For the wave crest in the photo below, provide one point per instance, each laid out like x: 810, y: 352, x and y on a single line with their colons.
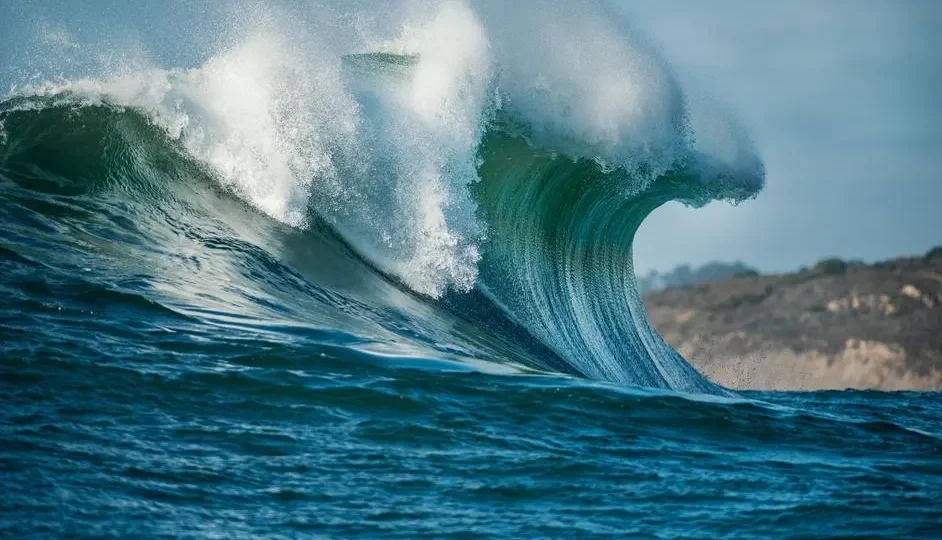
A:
x: 512, y: 148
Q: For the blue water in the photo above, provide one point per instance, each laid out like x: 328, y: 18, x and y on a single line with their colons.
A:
x: 162, y: 375
x: 179, y: 429
x: 297, y: 292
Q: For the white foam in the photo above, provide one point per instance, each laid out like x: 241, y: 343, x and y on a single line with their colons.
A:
x: 586, y: 85
x: 427, y: 125
x: 389, y: 162
x: 265, y: 122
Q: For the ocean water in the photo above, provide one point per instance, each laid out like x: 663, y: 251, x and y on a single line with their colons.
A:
x: 375, y: 279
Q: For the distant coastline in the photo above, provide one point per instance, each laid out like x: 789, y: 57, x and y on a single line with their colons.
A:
x: 835, y: 325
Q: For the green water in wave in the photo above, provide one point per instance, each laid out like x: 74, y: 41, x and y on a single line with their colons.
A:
x: 174, y: 363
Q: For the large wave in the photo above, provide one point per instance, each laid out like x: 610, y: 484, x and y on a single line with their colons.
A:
x: 486, y: 154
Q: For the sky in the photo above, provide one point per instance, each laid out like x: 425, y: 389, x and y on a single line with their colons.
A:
x: 841, y: 97
x: 843, y: 101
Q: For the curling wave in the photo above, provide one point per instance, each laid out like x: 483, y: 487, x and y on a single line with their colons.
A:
x: 465, y: 191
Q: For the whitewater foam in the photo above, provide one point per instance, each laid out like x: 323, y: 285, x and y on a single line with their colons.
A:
x: 265, y: 123
x: 388, y: 161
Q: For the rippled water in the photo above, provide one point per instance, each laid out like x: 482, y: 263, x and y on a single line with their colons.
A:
x: 297, y: 292
x: 170, y: 427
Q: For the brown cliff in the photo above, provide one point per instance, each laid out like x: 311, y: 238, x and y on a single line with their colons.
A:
x: 837, y: 325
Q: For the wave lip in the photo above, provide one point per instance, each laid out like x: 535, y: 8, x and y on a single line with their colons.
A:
x: 468, y: 151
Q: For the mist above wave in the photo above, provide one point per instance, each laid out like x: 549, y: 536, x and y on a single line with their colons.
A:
x: 388, y: 160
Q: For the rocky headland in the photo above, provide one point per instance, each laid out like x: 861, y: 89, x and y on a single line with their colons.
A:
x: 833, y: 326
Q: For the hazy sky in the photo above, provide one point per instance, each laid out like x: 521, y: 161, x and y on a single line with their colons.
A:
x: 844, y: 100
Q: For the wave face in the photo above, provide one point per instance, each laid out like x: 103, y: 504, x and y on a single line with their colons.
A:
x: 458, y: 182
x: 364, y: 270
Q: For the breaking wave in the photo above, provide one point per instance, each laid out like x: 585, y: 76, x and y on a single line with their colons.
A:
x: 466, y: 180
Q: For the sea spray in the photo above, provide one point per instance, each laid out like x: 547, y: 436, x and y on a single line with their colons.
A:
x: 467, y: 147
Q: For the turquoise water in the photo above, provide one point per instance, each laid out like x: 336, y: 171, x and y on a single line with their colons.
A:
x: 293, y: 288
x: 175, y: 363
